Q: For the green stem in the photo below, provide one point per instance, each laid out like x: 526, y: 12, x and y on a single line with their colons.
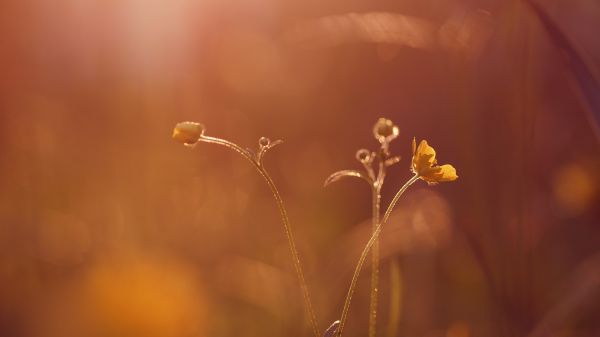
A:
x: 365, y: 252
x: 284, y: 219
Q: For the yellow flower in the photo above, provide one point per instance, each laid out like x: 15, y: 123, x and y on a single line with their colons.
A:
x: 385, y: 130
x: 425, y: 165
x: 188, y: 133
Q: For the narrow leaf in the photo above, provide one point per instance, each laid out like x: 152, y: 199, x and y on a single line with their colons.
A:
x: 346, y: 173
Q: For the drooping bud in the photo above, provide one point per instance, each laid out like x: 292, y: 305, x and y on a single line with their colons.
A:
x: 188, y: 133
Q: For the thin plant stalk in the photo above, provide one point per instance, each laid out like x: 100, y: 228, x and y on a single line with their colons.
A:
x: 257, y: 163
x: 365, y: 252
x: 376, y: 209
x: 384, y: 132
x: 374, y: 265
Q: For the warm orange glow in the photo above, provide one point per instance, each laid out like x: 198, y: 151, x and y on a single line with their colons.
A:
x: 576, y: 187
x: 144, y: 297
x: 111, y: 227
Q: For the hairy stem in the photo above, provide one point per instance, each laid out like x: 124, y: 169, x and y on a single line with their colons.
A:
x: 376, y: 209
x: 374, y: 264
x: 284, y: 219
x: 295, y: 255
x: 365, y: 252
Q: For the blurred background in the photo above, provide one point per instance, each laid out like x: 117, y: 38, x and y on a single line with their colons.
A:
x: 110, y: 228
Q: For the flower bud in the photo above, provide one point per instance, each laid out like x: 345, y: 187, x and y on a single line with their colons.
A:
x: 385, y: 130
x: 188, y: 133
x: 364, y: 156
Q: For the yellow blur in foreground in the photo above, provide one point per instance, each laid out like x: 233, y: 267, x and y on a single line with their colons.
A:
x: 144, y: 297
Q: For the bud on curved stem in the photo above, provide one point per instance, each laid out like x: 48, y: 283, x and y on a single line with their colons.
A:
x: 190, y: 133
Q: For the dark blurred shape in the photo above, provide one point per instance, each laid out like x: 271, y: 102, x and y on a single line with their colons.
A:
x: 582, y: 288
x: 585, y: 75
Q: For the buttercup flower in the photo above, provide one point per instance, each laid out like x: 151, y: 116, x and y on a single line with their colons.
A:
x: 385, y: 130
x: 425, y: 165
x: 188, y: 133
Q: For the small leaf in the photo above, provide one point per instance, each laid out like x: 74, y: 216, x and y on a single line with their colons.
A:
x: 347, y: 173
x: 275, y: 143
x: 332, y: 330
x: 264, y: 145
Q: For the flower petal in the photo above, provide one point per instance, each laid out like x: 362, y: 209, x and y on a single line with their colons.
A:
x: 423, y: 158
x: 438, y: 174
x: 426, y: 152
x: 448, y: 173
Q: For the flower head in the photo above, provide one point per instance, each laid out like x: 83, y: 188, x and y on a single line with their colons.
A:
x: 188, y: 133
x: 425, y: 165
x: 385, y: 130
